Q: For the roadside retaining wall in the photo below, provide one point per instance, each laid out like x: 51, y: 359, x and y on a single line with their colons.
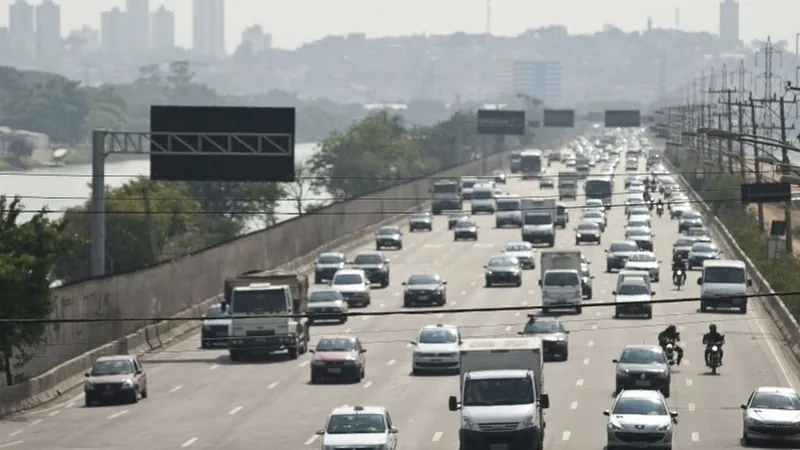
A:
x: 187, y: 287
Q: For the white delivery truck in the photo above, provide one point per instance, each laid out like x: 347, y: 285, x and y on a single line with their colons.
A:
x: 562, y: 286
x: 567, y: 185
x: 502, y: 394
x: 538, y: 221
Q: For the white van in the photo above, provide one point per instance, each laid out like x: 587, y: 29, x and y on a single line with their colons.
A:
x: 638, y: 274
x: 724, y: 284
x: 483, y: 199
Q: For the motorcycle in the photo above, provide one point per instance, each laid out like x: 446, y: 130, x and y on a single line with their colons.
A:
x: 678, y: 278
x: 650, y: 205
x: 714, y: 356
x: 669, y: 351
x: 660, y: 210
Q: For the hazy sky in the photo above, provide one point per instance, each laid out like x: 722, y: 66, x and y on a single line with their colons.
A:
x: 293, y: 22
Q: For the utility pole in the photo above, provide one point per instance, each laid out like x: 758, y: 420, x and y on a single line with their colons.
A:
x: 728, y: 112
x: 756, y: 162
x: 786, y: 165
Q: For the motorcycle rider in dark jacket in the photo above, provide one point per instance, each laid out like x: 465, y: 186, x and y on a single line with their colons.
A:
x: 671, y: 334
x: 678, y: 264
x: 713, y: 337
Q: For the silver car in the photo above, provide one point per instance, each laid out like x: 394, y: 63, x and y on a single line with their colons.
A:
x: 771, y: 414
x: 640, y: 419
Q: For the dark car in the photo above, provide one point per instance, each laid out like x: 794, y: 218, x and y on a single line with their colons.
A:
x: 466, y: 229
x: 617, y: 254
x: 554, y: 337
x: 420, y: 221
x: 642, y: 236
x: 115, y: 377
x: 428, y: 289
x: 682, y: 247
x: 702, y: 251
x: 388, y: 237
x: 689, y: 219
x: 547, y: 183
x: 453, y: 217
x: 503, y: 270
x: 327, y: 305
x: 588, y: 232
x: 326, y: 266
x: 215, y: 327
x: 375, y: 265
x: 338, y: 357
x: 499, y: 176
x: 643, y: 367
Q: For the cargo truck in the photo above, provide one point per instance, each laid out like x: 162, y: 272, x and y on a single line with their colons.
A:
x: 583, y: 166
x: 601, y: 189
x: 514, y: 161
x: 539, y: 221
x: 446, y: 196
x: 561, y: 281
x: 567, y: 185
x: 502, y: 391
x: 260, y: 305
x: 531, y: 164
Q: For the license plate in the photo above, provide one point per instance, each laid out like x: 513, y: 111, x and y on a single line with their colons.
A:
x: 334, y: 370
x: 261, y: 340
x: 422, y: 297
x: 498, y: 447
x: 108, y: 393
x: 642, y: 383
x: 436, y: 360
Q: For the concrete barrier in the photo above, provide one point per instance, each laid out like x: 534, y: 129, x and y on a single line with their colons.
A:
x: 772, y: 304
x: 187, y: 287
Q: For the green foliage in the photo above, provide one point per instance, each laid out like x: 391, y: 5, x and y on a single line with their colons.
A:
x: 29, y: 252
x: 722, y: 193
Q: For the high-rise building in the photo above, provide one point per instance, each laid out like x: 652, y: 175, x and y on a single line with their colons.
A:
x: 539, y: 79
x: 208, y: 27
x: 163, y: 29
x: 48, y: 30
x: 729, y: 23
x: 22, y: 30
x: 112, y: 31
x: 258, y: 40
x: 137, y: 24
x: 5, y: 43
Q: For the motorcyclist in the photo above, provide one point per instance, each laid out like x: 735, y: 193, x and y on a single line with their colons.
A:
x: 713, y: 337
x: 678, y: 264
x: 671, y: 334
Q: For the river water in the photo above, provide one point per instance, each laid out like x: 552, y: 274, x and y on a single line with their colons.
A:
x: 59, y: 188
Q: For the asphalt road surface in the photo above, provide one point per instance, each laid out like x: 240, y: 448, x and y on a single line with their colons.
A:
x: 198, y: 399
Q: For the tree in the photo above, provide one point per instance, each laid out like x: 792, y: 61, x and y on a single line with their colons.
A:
x: 298, y: 192
x: 232, y: 206
x: 30, y: 251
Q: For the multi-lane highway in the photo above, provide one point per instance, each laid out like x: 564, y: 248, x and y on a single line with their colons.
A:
x: 198, y: 399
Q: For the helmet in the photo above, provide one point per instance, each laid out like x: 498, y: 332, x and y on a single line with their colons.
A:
x: 712, y: 328
x: 672, y: 328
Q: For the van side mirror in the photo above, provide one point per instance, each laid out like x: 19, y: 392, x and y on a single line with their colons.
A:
x: 540, y: 282
x: 393, y: 430
x: 606, y: 413
x: 544, y: 401
x: 652, y: 292
x: 403, y: 283
x: 452, y: 403
x: 86, y: 375
x: 749, y: 282
x: 743, y: 406
x: 444, y: 282
x: 615, y: 361
x: 320, y: 432
x: 700, y: 281
x: 613, y: 292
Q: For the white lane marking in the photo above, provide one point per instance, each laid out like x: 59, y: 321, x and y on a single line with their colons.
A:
x: 508, y: 327
x: 680, y: 327
x: 11, y: 444
x: 367, y: 384
x: 430, y: 246
x: 348, y: 330
x: 118, y: 414
x: 36, y: 422
x: 15, y: 433
x: 598, y: 314
x: 591, y: 343
x: 689, y: 382
x: 463, y: 292
x: 473, y: 283
x: 586, y: 361
x: 686, y: 362
x: 235, y: 410
x: 272, y: 386
x: 530, y: 292
x: 364, y: 317
x: 573, y: 405
x: 391, y: 362
x: 516, y: 314
x: 524, y: 303
x: 54, y: 413
x: 303, y: 364
x: 440, y: 315
x: 213, y: 367
x: 175, y: 389
x: 409, y: 345
x: 70, y: 405
x: 437, y: 436
x: 189, y: 442
x: 397, y: 294
x: 776, y: 355
x: 695, y: 437
x: 565, y: 435
x: 310, y: 440
x: 579, y: 382
x: 383, y: 305
x: 692, y: 407
x: 453, y: 303
x: 594, y: 327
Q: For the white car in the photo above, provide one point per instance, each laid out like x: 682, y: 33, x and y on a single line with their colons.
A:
x: 644, y: 413
x: 594, y: 203
x: 771, y: 414
x: 436, y: 349
x: 359, y: 427
x: 354, y: 286
x: 524, y: 252
x: 646, y: 262
x: 676, y: 211
x: 629, y: 298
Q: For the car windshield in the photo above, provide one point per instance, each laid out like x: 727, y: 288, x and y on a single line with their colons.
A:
x: 684, y: 243
x: 638, y: 232
x: 105, y: 368
x: 215, y: 312
x: 465, y: 224
x: 593, y: 215
x: 643, y: 257
x: 703, y: 247
x: 639, y: 407
x: 467, y: 184
x: 438, y: 336
x: 543, y: 326
x: 347, y: 279
x: 330, y: 259
x: 517, y: 248
x: 498, y: 391
x: 623, y: 247
x: 728, y: 275
x: 633, y: 289
x: 503, y: 262
x: 690, y: 215
x: 422, y: 279
x: 419, y: 216
x: 637, y: 224
x: 336, y: 345
x: 588, y: 227
x: 324, y: 296
x: 368, y: 259
x: 356, y: 424
x: 552, y: 278
x: 538, y: 219
x: 509, y: 205
x: 642, y: 356
x: 388, y: 231
x: 775, y: 400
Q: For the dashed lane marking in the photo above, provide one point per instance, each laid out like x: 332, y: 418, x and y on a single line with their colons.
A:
x: 36, y: 422
x: 591, y: 343
x: 16, y: 433
x: 367, y: 384
x: 383, y: 305
x: 440, y: 315
x: 235, y: 410
x: 516, y: 314
x: 598, y: 314
x: 364, y: 317
x: 689, y: 382
x: 437, y: 436
x: 409, y: 345
x: 348, y: 330
x: 175, y: 389
x: 189, y: 442
x: 310, y: 440
x: 691, y: 407
x: 272, y: 385
x: 686, y: 362
x: 579, y: 382
x: 508, y: 328
x: 566, y: 435
x: 463, y: 292
x: 586, y: 361
x: 118, y: 414
x: 573, y: 406
x: 11, y: 444
x: 54, y: 413
x: 524, y: 303
x: 391, y: 362
x: 695, y: 437
x: 594, y: 327
x: 530, y: 292
x: 69, y: 405
x: 473, y: 283
x: 303, y: 364
x: 213, y: 367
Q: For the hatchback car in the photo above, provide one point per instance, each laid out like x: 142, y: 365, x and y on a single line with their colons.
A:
x: 339, y: 357
x: 427, y: 289
x: 588, y: 232
x: 524, y: 252
x: 359, y: 427
x: 327, y: 305
x: 117, y: 377
x: 503, y: 270
x: 375, y: 265
x: 326, y: 266
x: 465, y: 229
x: 420, y: 221
x: 436, y: 349
x: 643, y: 367
x: 640, y: 419
x: 771, y: 414
x: 389, y: 237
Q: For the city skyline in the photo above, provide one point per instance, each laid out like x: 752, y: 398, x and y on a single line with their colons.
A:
x: 759, y: 18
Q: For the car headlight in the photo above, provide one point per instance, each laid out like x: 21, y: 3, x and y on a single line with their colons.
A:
x: 468, y: 424
x: 578, y: 235
x: 127, y: 383
x: 527, y: 422
x: 622, y: 373
x: 488, y: 272
x: 753, y: 421
x: 665, y: 427
x: 664, y: 374
x: 88, y: 384
x: 614, y: 426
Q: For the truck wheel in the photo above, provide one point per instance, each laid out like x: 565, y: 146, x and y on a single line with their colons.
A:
x: 293, y: 352
x: 234, y: 355
x: 578, y: 309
